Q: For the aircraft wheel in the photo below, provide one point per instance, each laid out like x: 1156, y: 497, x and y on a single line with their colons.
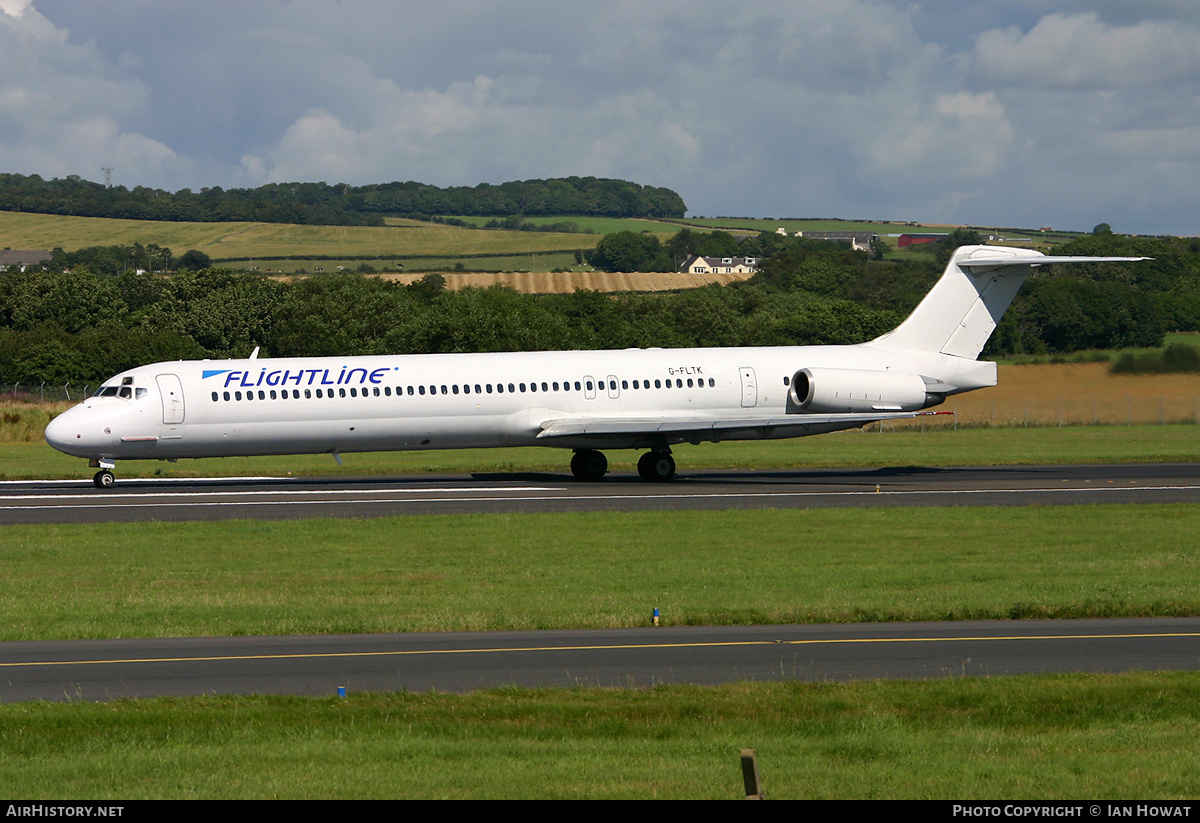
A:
x: 589, y: 465
x: 104, y: 479
x: 657, y: 467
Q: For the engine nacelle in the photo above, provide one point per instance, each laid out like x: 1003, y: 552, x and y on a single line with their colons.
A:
x: 841, y: 391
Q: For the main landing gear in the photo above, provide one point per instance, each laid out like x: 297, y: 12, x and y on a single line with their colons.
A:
x: 657, y: 467
x: 654, y: 466
x: 589, y: 464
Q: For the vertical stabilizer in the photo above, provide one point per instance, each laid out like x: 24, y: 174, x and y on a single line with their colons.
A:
x: 962, y: 310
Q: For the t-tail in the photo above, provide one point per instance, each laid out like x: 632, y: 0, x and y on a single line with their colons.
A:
x: 962, y: 310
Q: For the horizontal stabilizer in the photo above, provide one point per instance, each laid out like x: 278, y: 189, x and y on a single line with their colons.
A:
x: 993, y: 262
x: 961, y: 311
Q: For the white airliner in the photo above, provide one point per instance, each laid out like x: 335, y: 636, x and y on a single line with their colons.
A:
x: 580, y: 400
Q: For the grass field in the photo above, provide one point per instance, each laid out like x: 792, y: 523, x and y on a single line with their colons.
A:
x: 1130, y: 736
x: 579, y: 570
x: 594, y: 225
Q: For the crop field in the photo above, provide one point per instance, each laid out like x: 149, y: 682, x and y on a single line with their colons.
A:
x: 1075, y: 394
x: 541, y: 282
x: 250, y: 241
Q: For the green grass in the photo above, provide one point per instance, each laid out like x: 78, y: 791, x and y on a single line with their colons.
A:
x: 940, y: 446
x: 577, y: 570
x: 1131, y: 736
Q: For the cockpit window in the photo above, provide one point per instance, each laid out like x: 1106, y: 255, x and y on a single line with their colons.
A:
x: 125, y: 391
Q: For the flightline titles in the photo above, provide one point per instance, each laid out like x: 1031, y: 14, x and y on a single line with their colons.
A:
x: 1063, y: 810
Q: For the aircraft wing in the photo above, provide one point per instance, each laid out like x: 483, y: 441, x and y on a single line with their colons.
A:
x: 707, y: 425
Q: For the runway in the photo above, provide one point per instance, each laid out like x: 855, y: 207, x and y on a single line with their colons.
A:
x: 279, y: 498
x: 457, y: 662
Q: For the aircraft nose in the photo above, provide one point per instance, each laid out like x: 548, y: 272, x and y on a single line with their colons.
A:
x: 63, y: 432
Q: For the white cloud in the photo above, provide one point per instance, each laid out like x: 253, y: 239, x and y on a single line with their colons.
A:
x: 1083, y: 52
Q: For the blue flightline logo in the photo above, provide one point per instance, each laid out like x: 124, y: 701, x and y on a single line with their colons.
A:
x: 297, y: 377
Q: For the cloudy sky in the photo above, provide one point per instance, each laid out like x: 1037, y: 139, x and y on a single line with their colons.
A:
x: 1014, y: 113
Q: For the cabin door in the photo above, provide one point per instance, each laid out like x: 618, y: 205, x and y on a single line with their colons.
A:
x: 749, y: 387
x: 171, y: 391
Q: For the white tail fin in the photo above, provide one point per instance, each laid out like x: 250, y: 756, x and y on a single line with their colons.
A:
x: 963, y: 308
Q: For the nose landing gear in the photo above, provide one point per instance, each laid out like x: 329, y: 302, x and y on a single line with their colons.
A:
x: 103, y: 479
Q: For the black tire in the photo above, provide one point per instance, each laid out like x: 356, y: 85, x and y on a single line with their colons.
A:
x: 104, y: 479
x: 589, y: 465
x: 656, y: 467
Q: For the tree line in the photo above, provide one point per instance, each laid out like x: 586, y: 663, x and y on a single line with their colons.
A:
x: 340, y: 204
x: 82, y: 326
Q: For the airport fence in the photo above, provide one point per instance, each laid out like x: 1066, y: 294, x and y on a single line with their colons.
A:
x: 43, y: 393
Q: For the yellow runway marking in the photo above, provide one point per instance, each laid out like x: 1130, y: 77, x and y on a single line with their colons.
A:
x: 627, y: 646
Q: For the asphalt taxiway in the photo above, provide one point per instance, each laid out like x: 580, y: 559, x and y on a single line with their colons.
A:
x: 277, y: 498
x: 462, y: 661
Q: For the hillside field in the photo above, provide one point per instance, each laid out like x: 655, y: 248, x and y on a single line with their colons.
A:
x: 250, y: 241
